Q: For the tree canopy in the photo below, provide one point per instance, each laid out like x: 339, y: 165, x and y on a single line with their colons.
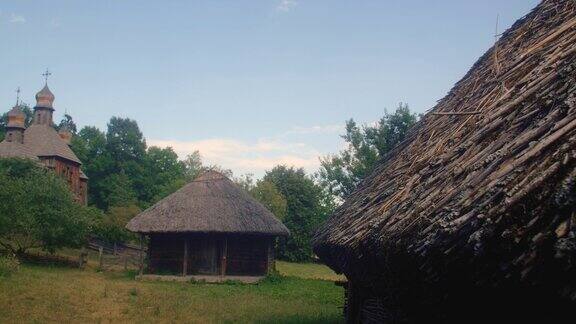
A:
x: 304, y: 210
x: 340, y: 173
x: 38, y: 209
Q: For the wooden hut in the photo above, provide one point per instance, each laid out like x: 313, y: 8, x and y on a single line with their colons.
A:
x: 473, y: 217
x: 209, y: 227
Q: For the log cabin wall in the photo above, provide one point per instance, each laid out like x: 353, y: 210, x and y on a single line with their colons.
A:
x: 209, y: 254
x: 70, y: 172
x: 165, y: 253
x: 247, y: 255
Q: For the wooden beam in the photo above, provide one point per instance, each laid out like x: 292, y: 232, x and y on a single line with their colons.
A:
x: 141, y: 269
x: 185, y: 260
x: 224, y: 255
x: 268, y: 258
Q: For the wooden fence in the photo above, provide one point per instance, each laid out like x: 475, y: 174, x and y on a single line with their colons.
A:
x: 114, y: 256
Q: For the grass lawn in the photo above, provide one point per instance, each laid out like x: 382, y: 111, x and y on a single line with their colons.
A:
x: 307, y: 271
x: 54, y: 294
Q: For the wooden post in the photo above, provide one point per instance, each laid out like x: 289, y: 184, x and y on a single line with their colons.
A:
x: 141, y: 270
x: 185, y: 261
x: 82, y: 261
x: 100, y: 257
x: 270, y: 263
x: 224, y: 254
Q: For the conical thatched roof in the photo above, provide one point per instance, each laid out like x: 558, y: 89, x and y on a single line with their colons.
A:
x: 486, y: 181
x: 210, y: 204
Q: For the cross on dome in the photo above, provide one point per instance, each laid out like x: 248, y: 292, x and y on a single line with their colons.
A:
x: 46, y: 75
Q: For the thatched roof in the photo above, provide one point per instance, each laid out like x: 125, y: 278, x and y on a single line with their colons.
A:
x: 488, y: 174
x: 43, y: 140
x: 210, y: 204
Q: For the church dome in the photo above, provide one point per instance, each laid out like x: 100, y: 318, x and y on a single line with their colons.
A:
x: 16, y: 117
x: 45, y: 98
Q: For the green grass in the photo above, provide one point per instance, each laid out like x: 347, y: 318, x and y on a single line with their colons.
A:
x: 51, y: 294
x: 307, y: 271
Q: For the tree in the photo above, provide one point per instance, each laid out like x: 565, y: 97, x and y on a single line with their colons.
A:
x: 112, y: 226
x: 192, y: 166
x: 118, y: 191
x: 304, y: 210
x: 339, y: 174
x: 125, y: 141
x: 163, y: 172
x: 245, y: 181
x: 267, y: 194
x: 38, y: 209
x: 67, y: 123
x: 90, y: 146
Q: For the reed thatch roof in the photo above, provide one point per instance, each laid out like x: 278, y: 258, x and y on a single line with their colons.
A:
x: 486, y: 181
x: 210, y: 204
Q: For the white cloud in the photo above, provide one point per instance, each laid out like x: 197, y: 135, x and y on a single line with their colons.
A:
x: 17, y: 19
x: 286, y: 5
x: 246, y: 157
x: 316, y: 129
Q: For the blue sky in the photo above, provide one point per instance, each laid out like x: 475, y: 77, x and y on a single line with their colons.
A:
x: 248, y: 83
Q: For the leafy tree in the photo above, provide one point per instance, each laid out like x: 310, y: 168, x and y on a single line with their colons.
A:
x: 126, y: 144
x: 339, y: 174
x: 267, y: 194
x: 245, y: 181
x: 192, y: 166
x: 112, y: 226
x: 90, y: 146
x: 38, y: 209
x: 118, y: 190
x: 68, y: 123
x: 163, y: 172
x: 304, y: 210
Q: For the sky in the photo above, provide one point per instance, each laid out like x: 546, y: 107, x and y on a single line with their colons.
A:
x: 249, y: 83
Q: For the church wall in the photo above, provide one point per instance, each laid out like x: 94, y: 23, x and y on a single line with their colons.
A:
x: 71, y: 174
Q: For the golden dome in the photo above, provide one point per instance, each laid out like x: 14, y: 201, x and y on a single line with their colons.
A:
x: 16, y: 117
x: 45, y: 98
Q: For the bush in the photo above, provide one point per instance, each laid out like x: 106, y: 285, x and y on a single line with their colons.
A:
x: 8, y: 265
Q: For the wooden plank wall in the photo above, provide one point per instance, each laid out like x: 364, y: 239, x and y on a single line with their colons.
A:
x: 209, y: 254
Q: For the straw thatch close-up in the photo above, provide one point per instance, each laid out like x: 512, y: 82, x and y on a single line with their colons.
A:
x: 484, y: 186
x: 211, y: 203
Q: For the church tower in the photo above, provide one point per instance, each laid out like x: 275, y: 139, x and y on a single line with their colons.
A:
x: 44, y: 99
x: 15, y: 127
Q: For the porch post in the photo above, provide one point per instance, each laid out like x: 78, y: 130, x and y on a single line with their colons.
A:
x: 224, y: 254
x: 270, y: 257
x: 185, y: 261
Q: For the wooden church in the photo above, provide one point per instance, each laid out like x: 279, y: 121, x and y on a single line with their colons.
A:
x: 209, y: 227
x: 41, y: 142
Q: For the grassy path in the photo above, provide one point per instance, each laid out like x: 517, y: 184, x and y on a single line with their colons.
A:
x: 50, y: 294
